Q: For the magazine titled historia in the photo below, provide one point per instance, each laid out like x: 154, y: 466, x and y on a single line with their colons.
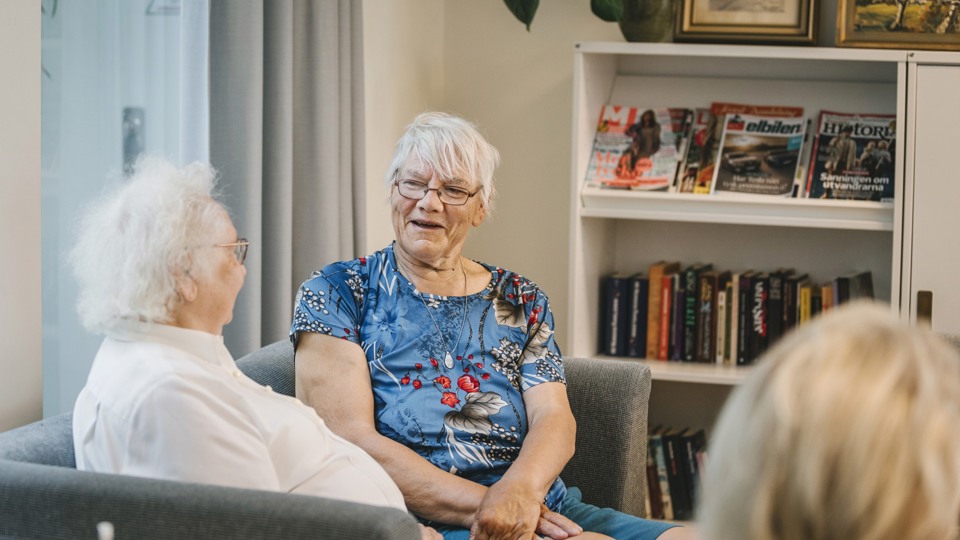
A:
x: 853, y: 157
x: 635, y: 148
x: 759, y: 154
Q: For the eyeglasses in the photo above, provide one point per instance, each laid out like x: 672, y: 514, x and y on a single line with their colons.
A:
x: 239, y: 248
x: 450, y: 195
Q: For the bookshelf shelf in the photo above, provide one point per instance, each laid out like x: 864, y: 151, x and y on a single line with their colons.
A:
x: 739, y: 209
x: 692, y: 373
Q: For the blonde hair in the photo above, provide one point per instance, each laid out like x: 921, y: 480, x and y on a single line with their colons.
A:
x: 452, y: 147
x: 138, y: 237
x: 848, y: 429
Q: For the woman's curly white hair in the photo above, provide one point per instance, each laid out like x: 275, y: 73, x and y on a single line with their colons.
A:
x: 141, y: 235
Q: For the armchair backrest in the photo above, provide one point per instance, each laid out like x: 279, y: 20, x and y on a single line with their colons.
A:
x: 609, y: 399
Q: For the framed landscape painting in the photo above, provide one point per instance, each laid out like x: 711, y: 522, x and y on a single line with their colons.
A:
x: 747, y: 21
x: 899, y: 24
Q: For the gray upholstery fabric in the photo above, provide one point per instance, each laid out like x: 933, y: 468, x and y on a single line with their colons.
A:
x: 38, y: 501
x: 609, y: 400
x: 47, y: 442
x: 42, y: 495
x: 271, y: 366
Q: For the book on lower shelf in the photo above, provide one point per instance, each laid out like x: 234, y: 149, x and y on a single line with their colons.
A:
x: 674, y: 469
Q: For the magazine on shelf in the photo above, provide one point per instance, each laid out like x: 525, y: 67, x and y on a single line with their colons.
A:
x: 697, y: 139
x: 853, y: 157
x: 637, y: 148
x: 759, y: 154
x: 706, y: 172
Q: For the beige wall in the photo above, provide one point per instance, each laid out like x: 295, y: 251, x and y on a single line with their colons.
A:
x: 403, y: 76
x: 516, y: 85
x: 20, y: 398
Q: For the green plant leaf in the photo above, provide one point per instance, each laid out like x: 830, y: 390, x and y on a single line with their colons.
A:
x: 523, y: 10
x: 608, y: 10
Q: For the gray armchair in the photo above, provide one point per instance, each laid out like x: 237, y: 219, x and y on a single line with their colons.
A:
x: 42, y: 495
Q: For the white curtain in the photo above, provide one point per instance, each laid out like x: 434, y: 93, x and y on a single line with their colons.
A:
x: 285, y: 132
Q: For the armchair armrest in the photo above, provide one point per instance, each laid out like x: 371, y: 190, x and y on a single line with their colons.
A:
x: 40, y: 501
x: 609, y: 399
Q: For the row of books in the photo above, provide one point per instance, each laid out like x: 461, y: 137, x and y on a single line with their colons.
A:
x: 696, y: 313
x: 749, y: 149
x: 674, y: 464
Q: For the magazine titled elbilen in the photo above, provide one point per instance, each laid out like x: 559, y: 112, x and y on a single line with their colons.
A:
x: 759, y: 154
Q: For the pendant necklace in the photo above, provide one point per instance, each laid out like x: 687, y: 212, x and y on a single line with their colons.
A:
x: 448, y: 359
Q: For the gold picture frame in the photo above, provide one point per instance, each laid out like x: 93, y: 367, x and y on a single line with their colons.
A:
x: 925, y: 25
x: 747, y: 21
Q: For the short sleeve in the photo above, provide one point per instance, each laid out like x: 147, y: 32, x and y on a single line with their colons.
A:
x: 541, y: 360
x: 330, y: 303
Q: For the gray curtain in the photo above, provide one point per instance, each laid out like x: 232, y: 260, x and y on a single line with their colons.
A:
x: 286, y: 121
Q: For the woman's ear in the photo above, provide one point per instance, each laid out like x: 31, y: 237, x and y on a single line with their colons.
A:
x: 479, y: 215
x: 186, y: 288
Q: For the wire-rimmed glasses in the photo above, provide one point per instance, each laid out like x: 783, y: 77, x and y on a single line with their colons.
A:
x: 239, y: 248
x: 449, y: 195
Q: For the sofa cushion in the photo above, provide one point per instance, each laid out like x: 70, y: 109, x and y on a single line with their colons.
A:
x: 47, y: 442
x: 272, y: 366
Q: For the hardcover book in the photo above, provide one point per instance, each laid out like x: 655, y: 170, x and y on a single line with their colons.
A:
x: 635, y: 148
x: 853, y: 157
x: 759, y: 155
x: 614, y: 334
x: 637, y: 286
x: 691, y: 299
x: 660, y: 457
x: 655, y: 274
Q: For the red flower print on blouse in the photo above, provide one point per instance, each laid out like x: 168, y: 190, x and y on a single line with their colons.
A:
x: 418, y: 365
x: 468, y: 383
x: 405, y: 380
x: 450, y: 399
x: 485, y: 376
x: 417, y: 384
x: 434, y: 362
x: 443, y: 381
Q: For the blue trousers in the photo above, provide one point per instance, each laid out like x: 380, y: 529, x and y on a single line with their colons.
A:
x: 599, y: 520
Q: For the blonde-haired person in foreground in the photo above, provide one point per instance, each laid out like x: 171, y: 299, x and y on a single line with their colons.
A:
x: 848, y: 429
x: 160, y: 265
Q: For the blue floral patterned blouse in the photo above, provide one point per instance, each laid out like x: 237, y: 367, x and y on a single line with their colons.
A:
x: 464, y: 413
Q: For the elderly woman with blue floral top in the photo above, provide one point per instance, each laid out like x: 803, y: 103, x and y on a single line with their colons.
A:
x: 446, y: 369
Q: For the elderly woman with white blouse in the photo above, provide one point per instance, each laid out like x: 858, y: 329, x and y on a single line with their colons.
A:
x: 160, y: 265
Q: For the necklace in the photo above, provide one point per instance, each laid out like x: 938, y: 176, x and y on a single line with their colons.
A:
x: 448, y: 359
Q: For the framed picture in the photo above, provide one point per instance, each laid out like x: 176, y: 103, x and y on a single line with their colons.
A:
x: 899, y: 24
x: 747, y: 21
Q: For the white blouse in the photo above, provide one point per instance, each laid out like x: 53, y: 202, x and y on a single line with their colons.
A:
x: 167, y: 402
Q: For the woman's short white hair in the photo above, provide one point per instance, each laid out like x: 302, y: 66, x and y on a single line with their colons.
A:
x: 452, y: 147
x: 849, y: 428
x: 137, y: 238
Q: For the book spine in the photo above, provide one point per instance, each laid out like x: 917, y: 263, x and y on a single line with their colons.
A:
x: 758, y: 313
x: 676, y: 476
x: 637, y: 335
x: 733, y: 314
x: 653, y: 313
x: 722, y: 327
x: 706, y: 318
x: 775, y: 308
x: 691, y: 297
x: 676, y: 318
x: 659, y: 454
x: 743, y: 321
x: 666, y: 303
x: 654, y: 498
x: 614, y: 336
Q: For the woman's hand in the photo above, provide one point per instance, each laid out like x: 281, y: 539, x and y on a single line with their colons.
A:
x: 506, y: 513
x: 429, y: 533
x: 509, y: 512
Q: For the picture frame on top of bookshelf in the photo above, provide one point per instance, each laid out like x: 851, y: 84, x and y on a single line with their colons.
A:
x: 630, y: 230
